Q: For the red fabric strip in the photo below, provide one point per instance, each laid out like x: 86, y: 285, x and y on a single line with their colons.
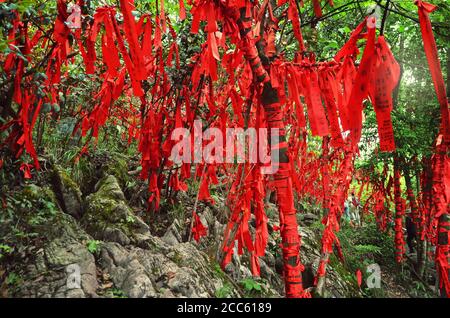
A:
x: 430, y: 48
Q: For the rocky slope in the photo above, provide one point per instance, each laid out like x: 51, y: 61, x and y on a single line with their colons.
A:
x: 97, y: 246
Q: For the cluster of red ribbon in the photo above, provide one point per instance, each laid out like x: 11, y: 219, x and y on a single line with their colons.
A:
x: 24, y: 88
x: 430, y: 210
x: 338, y: 85
x: 440, y: 192
x: 326, y: 96
x: 400, y: 206
x: 379, y: 201
x: 246, y: 197
x: 318, y: 84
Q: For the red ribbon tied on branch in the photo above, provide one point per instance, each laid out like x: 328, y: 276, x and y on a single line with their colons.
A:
x: 430, y: 48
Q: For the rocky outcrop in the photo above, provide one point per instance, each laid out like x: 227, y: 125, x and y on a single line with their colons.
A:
x: 271, y: 264
x: 110, y: 252
x: 67, y: 192
x: 173, y: 235
x: 61, y: 266
x: 169, y: 271
x: 307, y: 219
x: 108, y: 217
x: 64, y: 266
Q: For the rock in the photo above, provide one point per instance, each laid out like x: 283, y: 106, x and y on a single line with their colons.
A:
x: 244, y: 272
x: 108, y: 217
x: 137, y: 264
x: 166, y: 271
x: 308, y: 218
x: 166, y: 293
x: 207, y: 218
x: 109, y: 187
x: 126, y: 272
x: 67, y: 192
x: 114, y: 235
x: 337, y: 284
x: 272, y: 277
x: 186, y: 283
x: 137, y: 284
x: 238, y: 271
x: 217, y: 231
x: 173, y: 234
x: 118, y: 167
x: 269, y: 259
x: 62, y: 267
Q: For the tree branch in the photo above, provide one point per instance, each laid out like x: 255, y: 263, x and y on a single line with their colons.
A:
x: 383, y: 21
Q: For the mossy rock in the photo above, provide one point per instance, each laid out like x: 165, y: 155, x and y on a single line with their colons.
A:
x: 50, y: 242
x: 34, y: 192
x: 40, y: 213
x: 68, y: 193
x: 36, y: 208
x: 108, y: 187
x: 118, y: 167
x: 109, y: 218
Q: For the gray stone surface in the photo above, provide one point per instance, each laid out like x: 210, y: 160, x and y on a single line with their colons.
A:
x: 108, y: 217
x: 68, y: 193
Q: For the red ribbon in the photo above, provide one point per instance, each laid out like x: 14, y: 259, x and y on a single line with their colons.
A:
x: 430, y: 48
x: 386, y: 74
x: 361, y: 88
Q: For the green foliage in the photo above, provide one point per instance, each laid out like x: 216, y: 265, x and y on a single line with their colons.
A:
x: 416, y: 110
x: 29, y: 213
x: 5, y: 250
x: 13, y: 279
x: 419, y: 287
x: 118, y: 293
x: 318, y: 226
x: 93, y: 246
x: 225, y: 291
x: 35, y: 205
x: 415, y: 288
x: 251, y: 287
x: 130, y: 219
x: 367, y: 249
x: 362, y: 247
x: 48, y: 210
x: 366, y: 245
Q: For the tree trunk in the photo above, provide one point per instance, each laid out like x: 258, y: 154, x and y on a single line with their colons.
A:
x: 448, y: 72
x: 282, y: 178
x: 443, y: 237
x: 285, y: 197
x: 421, y: 244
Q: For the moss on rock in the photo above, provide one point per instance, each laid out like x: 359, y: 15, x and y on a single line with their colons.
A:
x: 68, y: 192
x: 109, y: 218
x: 118, y: 167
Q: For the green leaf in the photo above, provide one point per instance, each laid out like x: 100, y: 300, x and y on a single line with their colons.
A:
x: 93, y: 246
